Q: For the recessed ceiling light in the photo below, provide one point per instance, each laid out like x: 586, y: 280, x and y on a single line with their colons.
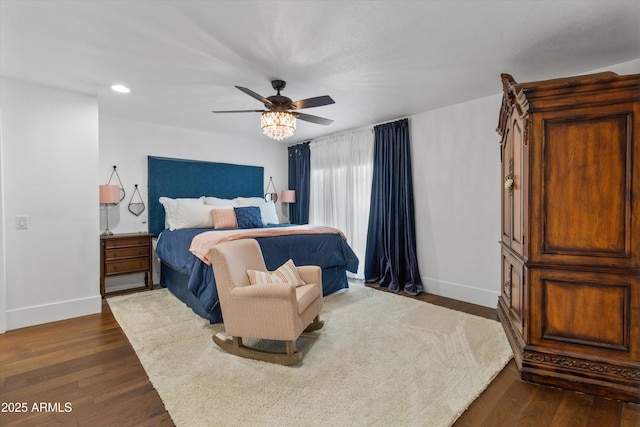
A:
x: 120, y: 88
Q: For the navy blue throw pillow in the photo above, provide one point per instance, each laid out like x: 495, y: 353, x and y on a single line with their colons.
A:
x: 248, y: 217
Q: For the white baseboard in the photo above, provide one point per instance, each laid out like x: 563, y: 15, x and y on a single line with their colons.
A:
x: 36, y: 315
x: 460, y: 292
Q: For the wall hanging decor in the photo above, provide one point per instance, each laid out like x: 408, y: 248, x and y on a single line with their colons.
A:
x: 273, y: 195
x: 115, y: 172
x: 136, y: 207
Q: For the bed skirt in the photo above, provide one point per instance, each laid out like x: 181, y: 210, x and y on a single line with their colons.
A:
x: 333, y: 279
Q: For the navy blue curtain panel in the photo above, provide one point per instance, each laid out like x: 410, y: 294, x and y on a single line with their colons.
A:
x: 390, y: 257
x: 300, y: 181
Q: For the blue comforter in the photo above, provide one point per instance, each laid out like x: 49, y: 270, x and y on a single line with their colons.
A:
x: 329, y: 251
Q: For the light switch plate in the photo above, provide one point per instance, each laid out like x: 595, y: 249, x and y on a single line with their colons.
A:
x: 22, y: 222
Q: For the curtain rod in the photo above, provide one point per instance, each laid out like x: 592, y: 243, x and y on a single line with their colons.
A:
x: 351, y: 131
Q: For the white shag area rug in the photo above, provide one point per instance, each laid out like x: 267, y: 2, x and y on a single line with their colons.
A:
x: 380, y: 360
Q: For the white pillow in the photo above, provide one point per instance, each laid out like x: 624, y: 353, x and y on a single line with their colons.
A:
x: 220, y: 203
x: 193, y: 215
x: 170, y: 209
x: 268, y: 213
x: 249, y: 201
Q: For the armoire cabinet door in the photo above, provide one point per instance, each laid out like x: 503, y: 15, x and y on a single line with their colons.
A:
x: 513, y: 291
x: 583, y: 207
x: 586, y: 313
x: 514, y: 186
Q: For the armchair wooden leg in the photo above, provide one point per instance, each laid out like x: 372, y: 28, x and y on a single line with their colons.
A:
x: 235, y: 347
x: 291, y: 347
x: 315, y: 325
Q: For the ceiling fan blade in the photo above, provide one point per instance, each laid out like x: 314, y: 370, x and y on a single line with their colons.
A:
x: 313, y: 119
x: 256, y: 96
x: 240, y: 111
x: 318, y: 101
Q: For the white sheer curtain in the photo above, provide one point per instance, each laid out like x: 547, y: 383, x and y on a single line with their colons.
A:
x: 341, y: 174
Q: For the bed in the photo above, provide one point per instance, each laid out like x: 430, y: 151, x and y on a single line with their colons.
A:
x: 185, y: 270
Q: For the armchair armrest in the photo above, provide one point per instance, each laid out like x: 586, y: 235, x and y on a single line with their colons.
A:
x: 310, y: 274
x: 285, y: 291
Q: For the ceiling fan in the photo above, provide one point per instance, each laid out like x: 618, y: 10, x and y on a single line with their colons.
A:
x: 278, y: 121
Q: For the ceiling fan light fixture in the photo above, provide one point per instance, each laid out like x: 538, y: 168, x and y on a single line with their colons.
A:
x: 278, y: 125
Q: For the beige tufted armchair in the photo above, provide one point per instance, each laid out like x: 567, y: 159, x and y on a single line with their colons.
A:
x: 274, y: 311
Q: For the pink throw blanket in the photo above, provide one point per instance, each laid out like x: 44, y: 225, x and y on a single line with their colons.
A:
x: 203, y: 242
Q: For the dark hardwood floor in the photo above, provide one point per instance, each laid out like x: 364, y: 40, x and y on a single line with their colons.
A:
x: 84, y: 372
x: 84, y: 366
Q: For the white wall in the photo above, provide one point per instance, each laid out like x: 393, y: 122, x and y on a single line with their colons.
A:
x: 456, y: 173
x: 3, y: 269
x: 127, y: 144
x: 630, y: 67
x: 49, y: 174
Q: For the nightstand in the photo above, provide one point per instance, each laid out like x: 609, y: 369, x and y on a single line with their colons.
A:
x: 126, y: 254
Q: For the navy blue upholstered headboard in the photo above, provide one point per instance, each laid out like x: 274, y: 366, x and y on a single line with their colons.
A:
x: 175, y: 178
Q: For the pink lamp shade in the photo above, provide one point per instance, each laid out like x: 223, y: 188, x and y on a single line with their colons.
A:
x: 288, y: 196
x: 109, y: 194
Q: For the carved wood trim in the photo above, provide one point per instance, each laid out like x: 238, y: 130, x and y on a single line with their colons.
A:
x: 583, y: 365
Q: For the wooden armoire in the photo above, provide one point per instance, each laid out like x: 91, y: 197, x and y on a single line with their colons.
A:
x: 570, y: 291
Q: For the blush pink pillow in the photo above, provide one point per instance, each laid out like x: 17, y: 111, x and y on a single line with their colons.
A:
x: 223, y: 218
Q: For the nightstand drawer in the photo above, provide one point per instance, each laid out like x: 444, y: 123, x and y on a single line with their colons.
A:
x: 111, y: 254
x: 127, y: 242
x: 125, y: 267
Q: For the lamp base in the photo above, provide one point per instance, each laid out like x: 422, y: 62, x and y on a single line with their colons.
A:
x: 107, y: 232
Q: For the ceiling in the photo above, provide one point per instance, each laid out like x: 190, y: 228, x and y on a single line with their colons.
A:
x: 379, y: 60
